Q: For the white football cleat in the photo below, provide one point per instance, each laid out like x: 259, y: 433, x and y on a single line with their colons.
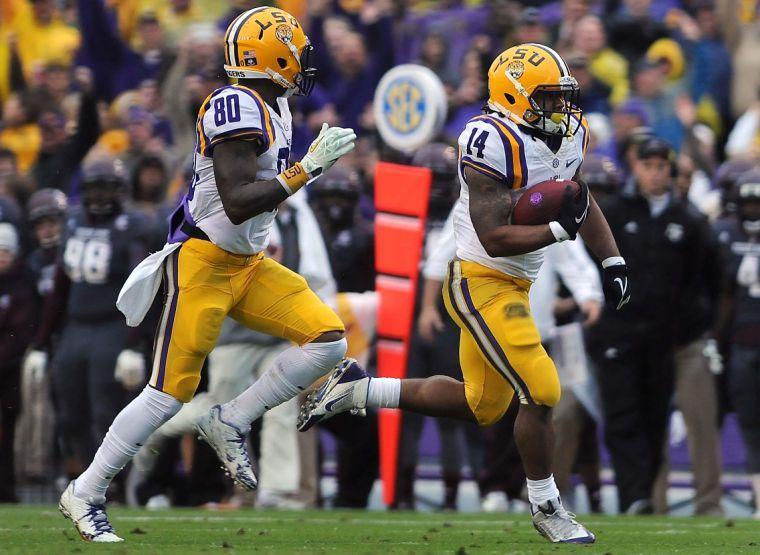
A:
x: 89, y: 518
x: 345, y: 390
x: 553, y: 522
x: 495, y: 502
x: 229, y: 445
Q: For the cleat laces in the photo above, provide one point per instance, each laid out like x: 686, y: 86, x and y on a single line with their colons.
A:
x: 96, y: 514
x: 239, y: 441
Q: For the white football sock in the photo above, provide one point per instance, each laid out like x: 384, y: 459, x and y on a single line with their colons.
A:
x: 541, y: 491
x: 129, y: 430
x: 384, y: 392
x: 291, y: 372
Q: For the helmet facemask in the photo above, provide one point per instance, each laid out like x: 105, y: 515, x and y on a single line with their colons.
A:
x: 554, y: 108
x: 101, y: 197
x: 304, y: 80
x: 749, y: 208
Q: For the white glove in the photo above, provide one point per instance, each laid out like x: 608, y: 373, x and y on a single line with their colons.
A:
x: 130, y: 369
x: 749, y: 271
x: 34, y: 367
x: 677, y: 433
x: 713, y: 356
x: 330, y: 144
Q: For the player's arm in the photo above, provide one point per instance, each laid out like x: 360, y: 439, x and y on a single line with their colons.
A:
x: 53, y: 309
x: 490, y: 205
x: 236, y: 165
x: 596, y: 233
x: 34, y: 366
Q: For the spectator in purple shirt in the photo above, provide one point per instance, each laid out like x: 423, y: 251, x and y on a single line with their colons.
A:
x: 358, y: 74
x: 117, y: 67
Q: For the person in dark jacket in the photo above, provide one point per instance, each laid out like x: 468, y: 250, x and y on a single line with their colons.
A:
x: 664, y: 244
x: 697, y: 364
x: 350, y: 241
x: 46, y: 211
x: 97, y: 357
x: 17, y: 308
x: 61, y: 155
x: 738, y: 326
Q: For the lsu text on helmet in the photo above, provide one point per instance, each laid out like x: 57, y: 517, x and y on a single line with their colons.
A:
x: 269, y: 43
x: 531, y: 85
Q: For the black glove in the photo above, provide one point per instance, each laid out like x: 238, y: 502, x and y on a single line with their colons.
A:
x: 572, y: 213
x: 617, y: 291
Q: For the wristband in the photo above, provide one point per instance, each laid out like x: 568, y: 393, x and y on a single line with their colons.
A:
x: 558, y: 231
x: 613, y: 261
x: 293, y: 178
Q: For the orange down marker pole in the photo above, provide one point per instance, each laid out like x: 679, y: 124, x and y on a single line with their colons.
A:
x: 401, y: 199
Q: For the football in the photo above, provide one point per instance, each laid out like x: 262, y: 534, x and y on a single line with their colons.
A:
x: 540, y: 203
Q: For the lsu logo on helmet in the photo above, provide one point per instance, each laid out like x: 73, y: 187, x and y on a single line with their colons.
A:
x: 269, y: 43
x: 531, y: 85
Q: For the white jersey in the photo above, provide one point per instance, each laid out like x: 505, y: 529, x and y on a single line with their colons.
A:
x: 236, y: 112
x: 499, y: 148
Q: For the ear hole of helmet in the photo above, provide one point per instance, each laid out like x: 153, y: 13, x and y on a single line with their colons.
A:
x: 510, y: 98
x: 282, y: 62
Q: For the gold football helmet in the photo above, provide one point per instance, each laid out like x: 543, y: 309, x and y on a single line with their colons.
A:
x: 531, y: 85
x: 269, y: 43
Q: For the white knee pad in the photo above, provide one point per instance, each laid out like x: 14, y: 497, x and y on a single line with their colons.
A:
x: 322, y: 357
x: 158, y: 405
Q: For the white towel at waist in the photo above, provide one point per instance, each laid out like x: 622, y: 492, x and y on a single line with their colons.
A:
x: 141, y: 286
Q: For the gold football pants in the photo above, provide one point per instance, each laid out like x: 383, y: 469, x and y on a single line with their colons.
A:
x: 500, y: 349
x: 203, y: 285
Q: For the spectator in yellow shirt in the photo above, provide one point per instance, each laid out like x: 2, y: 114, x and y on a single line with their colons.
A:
x: 20, y: 133
x: 43, y: 37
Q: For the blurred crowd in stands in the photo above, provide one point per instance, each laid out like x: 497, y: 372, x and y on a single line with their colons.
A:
x: 102, y: 95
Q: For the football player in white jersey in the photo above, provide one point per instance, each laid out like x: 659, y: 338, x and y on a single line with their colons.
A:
x: 214, y: 266
x: 532, y: 130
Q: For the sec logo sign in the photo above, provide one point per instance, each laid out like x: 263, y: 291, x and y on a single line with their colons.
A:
x: 409, y: 107
x: 404, y: 106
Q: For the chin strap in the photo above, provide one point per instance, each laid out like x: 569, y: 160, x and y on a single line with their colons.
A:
x: 498, y: 107
x: 272, y: 75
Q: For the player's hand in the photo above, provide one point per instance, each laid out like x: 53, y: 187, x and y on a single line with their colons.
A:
x: 591, y: 310
x: 330, y: 144
x: 713, y: 356
x: 617, y: 290
x: 34, y: 367
x: 130, y: 369
x: 677, y: 431
x: 429, y: 322
x: 84, y: 79
x: 572, y: 213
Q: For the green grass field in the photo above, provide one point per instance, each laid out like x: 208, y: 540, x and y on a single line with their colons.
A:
x: 44, y: 530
